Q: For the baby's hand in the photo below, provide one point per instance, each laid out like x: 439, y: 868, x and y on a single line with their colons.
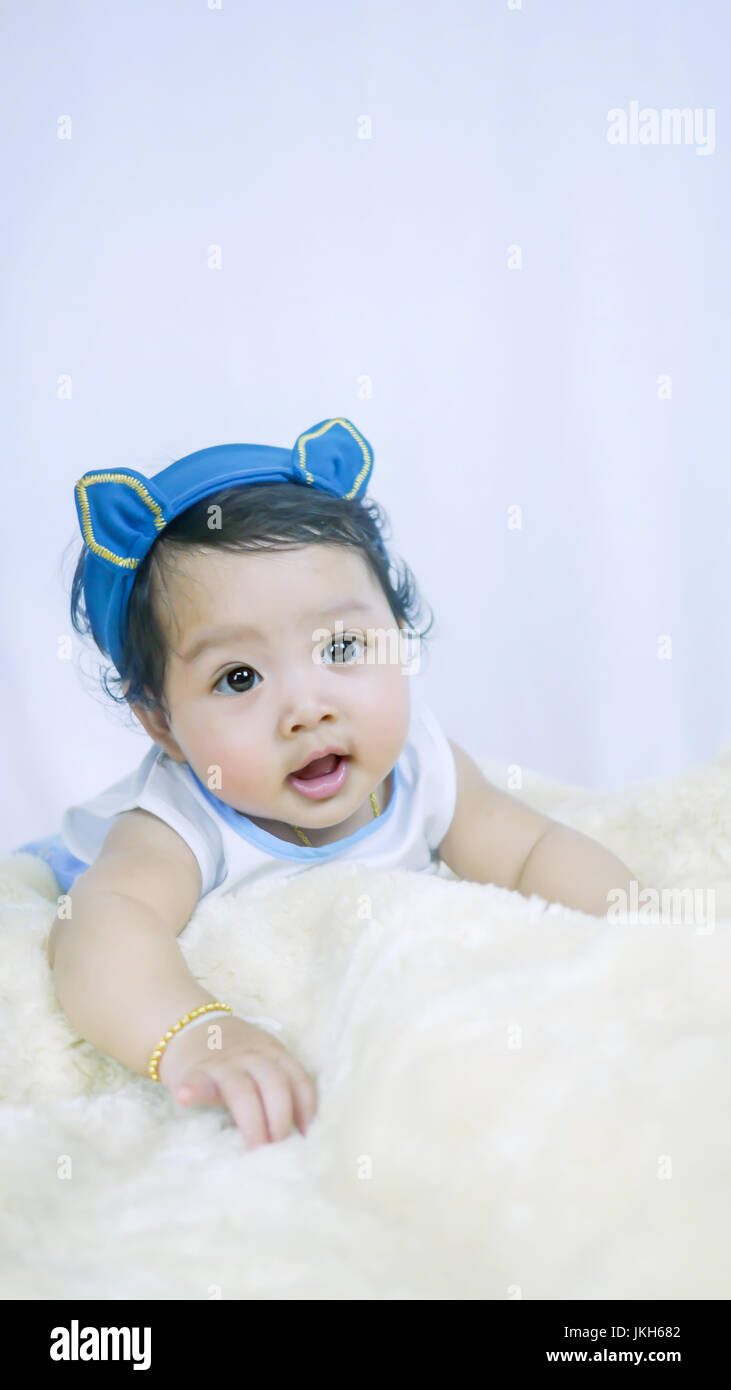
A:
x: 262, y: 1084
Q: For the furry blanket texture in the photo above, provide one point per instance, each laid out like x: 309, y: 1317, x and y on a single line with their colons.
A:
x: 514, y: 1100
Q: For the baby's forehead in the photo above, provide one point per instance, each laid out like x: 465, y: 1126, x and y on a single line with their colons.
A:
x: 302, y: 565
x: 206, y: 585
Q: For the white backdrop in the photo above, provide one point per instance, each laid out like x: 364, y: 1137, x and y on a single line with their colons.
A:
x: 423, y: 226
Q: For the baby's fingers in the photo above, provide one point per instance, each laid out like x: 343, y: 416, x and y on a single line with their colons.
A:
x: 233, y: 1088
x: 263, y: 1079
x: 263, y: 1093
x: 304, y: 1091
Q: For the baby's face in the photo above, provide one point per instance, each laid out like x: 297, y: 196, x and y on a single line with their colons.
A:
x: 253, y: 705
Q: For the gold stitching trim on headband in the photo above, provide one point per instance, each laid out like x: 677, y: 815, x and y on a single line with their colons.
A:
x: 124, y: 561
x: 357, y: 437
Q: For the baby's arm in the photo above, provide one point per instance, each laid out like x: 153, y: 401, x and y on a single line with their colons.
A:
x: 123, y: 983
x: 495, y: 838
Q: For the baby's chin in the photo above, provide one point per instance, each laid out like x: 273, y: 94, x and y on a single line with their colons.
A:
x: 279, y: 819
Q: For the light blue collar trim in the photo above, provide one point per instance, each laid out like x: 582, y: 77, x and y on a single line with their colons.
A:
x: 271, y: 844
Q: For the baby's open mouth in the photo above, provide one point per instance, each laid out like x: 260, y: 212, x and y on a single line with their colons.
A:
x: 322, y: 777
x: 319, y: 767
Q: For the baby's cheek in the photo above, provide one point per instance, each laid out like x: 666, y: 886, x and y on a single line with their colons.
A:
x: 393, y: 713
x: 247, y: 764
x: 216, y: 755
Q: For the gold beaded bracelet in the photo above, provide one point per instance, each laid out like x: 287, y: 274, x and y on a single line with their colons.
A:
x: 154, y: 1062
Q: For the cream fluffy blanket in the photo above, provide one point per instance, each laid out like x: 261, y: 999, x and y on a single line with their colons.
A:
x: 513, y: 1102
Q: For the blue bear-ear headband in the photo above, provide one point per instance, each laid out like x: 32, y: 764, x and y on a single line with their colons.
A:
x: 122, y: 519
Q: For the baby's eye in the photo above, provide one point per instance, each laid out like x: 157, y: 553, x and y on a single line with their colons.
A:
x: 343, y: 646
x: 239, y: 678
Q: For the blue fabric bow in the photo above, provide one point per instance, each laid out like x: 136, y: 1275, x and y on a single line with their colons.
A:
x: 121, y: 513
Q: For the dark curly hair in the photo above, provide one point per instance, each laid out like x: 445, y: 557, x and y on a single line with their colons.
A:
x: 258, y: 517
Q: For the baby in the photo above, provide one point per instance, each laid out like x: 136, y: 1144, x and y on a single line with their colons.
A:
x: 246, y: 598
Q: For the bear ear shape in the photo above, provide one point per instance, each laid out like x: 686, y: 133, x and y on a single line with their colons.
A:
x: 335, y: 456
x: 119, y: 515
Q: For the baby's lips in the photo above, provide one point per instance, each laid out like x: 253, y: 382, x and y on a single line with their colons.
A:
x: 337, y: 754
